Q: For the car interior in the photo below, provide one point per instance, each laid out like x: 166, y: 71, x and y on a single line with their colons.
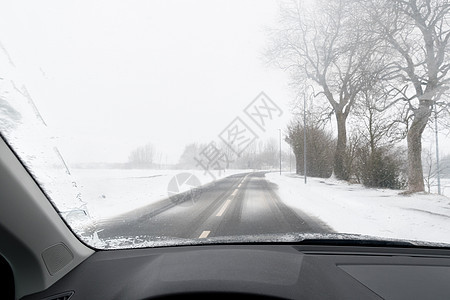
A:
x: 291, y: 149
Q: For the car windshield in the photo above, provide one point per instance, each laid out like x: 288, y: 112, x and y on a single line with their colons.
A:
x: 164, y: 123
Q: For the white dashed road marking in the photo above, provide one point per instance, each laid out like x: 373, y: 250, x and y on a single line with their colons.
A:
x: 224, y: 207
x: 204, y: 234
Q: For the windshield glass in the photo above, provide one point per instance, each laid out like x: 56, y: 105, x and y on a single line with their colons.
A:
x: 153, y: 123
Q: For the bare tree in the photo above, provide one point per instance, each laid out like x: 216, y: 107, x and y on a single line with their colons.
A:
x: 325, y: 46
x: 430, y: 170
x: 142, y: 156
x: 418, y: 33
x: 270, y: 154
x: 375, y: 122
x: 372, y: 155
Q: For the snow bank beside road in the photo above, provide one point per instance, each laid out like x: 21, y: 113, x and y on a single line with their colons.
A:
x: 111, y: 192
x: 354, y: 209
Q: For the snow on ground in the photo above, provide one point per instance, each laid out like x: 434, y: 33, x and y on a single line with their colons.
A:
x: 445, y: 187
x: 111, y: 192
x: 354, y: 209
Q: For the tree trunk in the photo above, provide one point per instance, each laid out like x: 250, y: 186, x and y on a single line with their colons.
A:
x: 414, y: 138
x: 341, y: 147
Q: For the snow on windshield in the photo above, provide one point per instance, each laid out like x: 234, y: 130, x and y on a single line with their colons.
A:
x: 158, y: 123
x: 25, y: 130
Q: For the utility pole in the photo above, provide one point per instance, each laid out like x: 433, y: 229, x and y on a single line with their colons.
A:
x: 280, y: 149
x: 304, y: 126
x: 438, y: 169
x: 290, y: 160
x: 304, y: 136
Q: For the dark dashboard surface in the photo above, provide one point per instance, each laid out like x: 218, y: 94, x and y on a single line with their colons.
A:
x: 259, y: 272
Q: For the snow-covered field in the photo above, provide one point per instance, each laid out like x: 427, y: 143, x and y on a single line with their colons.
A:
x: 111, y: 192
x: 445, y: 187
x: 354, y: 209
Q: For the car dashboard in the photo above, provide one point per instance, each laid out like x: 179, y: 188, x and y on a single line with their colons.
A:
x: 260, y: 271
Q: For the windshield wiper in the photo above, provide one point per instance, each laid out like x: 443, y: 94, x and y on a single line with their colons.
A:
x: 355, y: 242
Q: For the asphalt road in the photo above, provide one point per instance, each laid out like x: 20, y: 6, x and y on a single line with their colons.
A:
x: 242, y: 204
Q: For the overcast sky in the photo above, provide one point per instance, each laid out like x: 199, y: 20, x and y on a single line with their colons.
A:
x: 109, y: 76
